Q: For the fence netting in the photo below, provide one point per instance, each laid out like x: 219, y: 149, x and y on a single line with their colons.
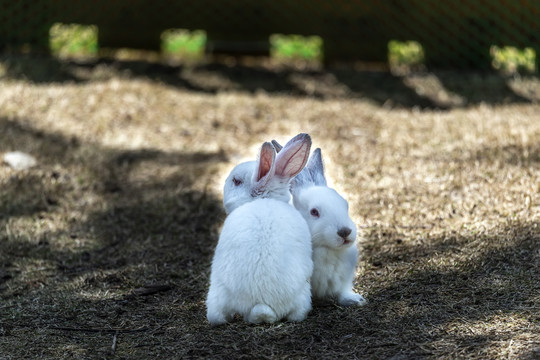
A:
x: 453, y: 33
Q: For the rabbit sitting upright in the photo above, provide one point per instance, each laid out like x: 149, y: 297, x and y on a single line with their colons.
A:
x: 263, y: 260
x: 333, y: 234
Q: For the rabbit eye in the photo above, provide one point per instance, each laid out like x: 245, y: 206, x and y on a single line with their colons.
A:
x: 314, y: 212
x: 237, y: 182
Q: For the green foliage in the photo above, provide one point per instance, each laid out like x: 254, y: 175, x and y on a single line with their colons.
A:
x: 509, y: 59
x: 183, y: 43
x: 73, y: 40
x: 407, y: 53
x: 296, y: 47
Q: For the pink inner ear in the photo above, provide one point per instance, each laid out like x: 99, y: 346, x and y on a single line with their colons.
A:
x: 293, y: 157
x: 266, y: 159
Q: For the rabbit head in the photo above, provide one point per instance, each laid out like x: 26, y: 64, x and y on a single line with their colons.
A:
x: 327, y: 215
x: 325, y: 211
x: 269, y: 176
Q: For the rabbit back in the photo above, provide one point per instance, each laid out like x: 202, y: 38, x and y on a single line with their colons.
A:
x: 263, y: 256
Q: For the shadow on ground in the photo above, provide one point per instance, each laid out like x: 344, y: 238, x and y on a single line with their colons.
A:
x: 102, y: 246
x: 87, y: 212
x: 133, y: 245
x: 441, y: 90
x: 449, y: 288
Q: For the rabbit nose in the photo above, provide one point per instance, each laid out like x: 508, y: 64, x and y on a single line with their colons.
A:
x: 344, y: 232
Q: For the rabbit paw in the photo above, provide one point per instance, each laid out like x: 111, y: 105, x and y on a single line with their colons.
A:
x: 352, y: 299
x: 297, y: 316
x: 216, y: 318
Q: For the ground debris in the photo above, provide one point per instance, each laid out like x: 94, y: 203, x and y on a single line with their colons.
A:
x: 19, y: 160
x: 151, y: 289
x: 106, y: 244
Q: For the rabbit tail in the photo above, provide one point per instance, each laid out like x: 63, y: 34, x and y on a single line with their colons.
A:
x: 262, y: 313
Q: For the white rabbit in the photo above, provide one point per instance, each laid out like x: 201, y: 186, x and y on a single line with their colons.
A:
x: 333, y: 234
x: 246, y: 182
x: 263, y: 260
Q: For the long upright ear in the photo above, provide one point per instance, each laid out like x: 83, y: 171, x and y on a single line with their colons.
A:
x: 312, y: 175
x: 315, y: 167
x: 293, y: 157
x: 277, y: 146
x: 266, y: 166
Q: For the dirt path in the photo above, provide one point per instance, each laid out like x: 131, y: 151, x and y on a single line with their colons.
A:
x: 105, y: 245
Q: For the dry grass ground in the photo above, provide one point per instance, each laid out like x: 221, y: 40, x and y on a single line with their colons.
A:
x: 105, y: 246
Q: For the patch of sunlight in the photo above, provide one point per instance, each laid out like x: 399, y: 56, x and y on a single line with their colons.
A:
x: 405, y: 55
x: 73, y: 40
x: 182, y: 44
x: 511, y: 60
x: 296, y: 47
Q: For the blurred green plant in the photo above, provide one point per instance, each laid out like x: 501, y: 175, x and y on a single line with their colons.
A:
x: 67, y: 40
x: 408, y: 54
x: 296, y: 47
x: 185, y: 44
x: 509, y: 59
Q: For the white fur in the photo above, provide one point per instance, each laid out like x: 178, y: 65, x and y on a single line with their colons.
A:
x: 235, y: 196
x: 334, y: 256
x: 262, y: 265
x: 334, y: 260
x: 263, y: 260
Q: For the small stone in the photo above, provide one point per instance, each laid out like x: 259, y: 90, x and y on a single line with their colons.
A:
x: 19, y: 160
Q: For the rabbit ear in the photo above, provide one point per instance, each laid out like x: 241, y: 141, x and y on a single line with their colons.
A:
x: 312, y: 175
x: 293, y: 157
x: 277, y: 146
x: 315, y: 167
x: 266, y: 165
